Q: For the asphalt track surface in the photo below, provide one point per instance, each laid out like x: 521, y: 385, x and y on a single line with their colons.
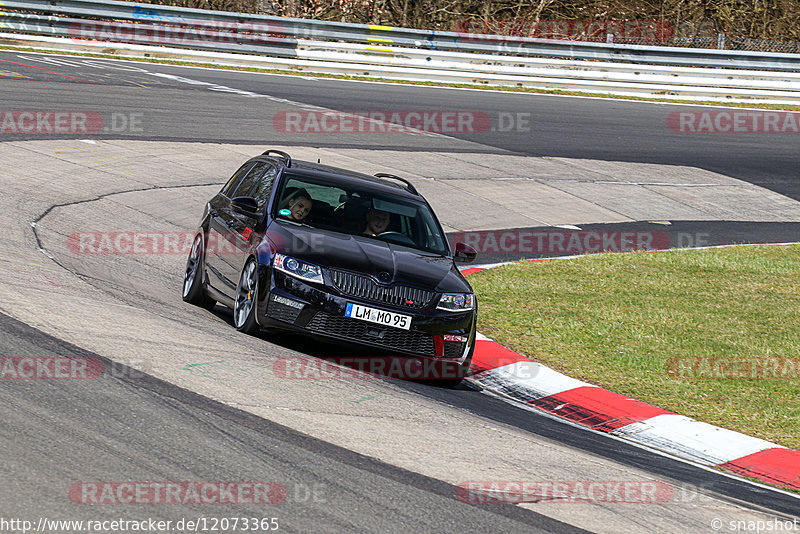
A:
x: 559, y: 127
x: 107, y: 422
x: 103, y: 412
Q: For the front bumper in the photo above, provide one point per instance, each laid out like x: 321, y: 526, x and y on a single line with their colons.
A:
x: 320, y: 310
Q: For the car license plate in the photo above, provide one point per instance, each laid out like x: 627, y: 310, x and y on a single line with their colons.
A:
x: 374, y: 315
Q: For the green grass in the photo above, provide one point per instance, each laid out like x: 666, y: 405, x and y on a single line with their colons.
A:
x: 786, y: 107
x: 616, y: 320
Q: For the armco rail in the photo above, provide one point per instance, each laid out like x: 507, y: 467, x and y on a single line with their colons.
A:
x: 428, y: 39
x: 322, y: 46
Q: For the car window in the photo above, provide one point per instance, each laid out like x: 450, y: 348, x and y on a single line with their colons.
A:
x: 263, y: 188
x: 322, y: 201
x: 433, y: 237
x: 234, y: 180
x: 246, y: 185
x: 348, y: 210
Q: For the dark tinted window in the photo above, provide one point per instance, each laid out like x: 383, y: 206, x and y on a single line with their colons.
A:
x: 263, y: 188
x: 246, y: 185
x: 345, y: 209
x: 226, y: 189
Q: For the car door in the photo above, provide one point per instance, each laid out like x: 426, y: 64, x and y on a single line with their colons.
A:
x: 230, y: 227
x: 245, y: 225
x: 218, y: 209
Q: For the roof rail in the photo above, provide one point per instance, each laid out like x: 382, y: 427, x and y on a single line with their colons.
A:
x: 286, y: 157
x: 409, y: 185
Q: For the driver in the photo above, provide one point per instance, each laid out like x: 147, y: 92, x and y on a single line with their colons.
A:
x: 300, y: 207
x: 297, y: 206
x: 377, y: 222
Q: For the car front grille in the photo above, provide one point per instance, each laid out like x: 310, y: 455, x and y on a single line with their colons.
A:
x: 453, y: 349
x: 360, y: 331
x: 363, y: 287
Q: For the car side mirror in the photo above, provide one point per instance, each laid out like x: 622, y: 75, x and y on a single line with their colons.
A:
x: 465, y: 253
x: 246, y: 205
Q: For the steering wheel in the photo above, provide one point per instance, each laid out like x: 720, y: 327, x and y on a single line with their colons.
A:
x: 397, y: 237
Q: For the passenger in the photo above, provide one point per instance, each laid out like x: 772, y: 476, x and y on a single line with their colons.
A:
x: 298, y: 206
x: 377, y: 222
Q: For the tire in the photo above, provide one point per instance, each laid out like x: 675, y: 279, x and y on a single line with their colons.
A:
x: 244, y: 307
x: 194, y: 291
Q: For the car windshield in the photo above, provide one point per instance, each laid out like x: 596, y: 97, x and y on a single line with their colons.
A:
x: 359, y: 211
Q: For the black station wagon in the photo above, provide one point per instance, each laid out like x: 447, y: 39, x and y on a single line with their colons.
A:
x: 345, y: 256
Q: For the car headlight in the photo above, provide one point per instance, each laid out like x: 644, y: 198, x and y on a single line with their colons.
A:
x: 307, y: 272
x: 456, y: 302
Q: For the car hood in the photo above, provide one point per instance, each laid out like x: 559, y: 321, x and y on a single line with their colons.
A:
x: 364, y: 255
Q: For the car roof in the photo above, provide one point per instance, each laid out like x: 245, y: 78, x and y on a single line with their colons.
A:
x: 346, y: 177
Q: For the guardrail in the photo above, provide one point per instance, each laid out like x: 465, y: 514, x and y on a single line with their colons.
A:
x: 324, y: 46
x: 284, y: 28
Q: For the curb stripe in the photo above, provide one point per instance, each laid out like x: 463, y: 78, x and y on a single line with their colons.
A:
x: 598, y: 408
x: 526, y: 381
x: 491, y: 355
x: 779, y: 466
x: 503, y: 371
x: 692, y: 439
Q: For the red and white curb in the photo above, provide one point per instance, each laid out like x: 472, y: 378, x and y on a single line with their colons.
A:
x: 514, y: 376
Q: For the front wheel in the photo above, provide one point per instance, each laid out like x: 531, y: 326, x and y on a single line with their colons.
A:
x: 244, y: 308
x: 193, y: 290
